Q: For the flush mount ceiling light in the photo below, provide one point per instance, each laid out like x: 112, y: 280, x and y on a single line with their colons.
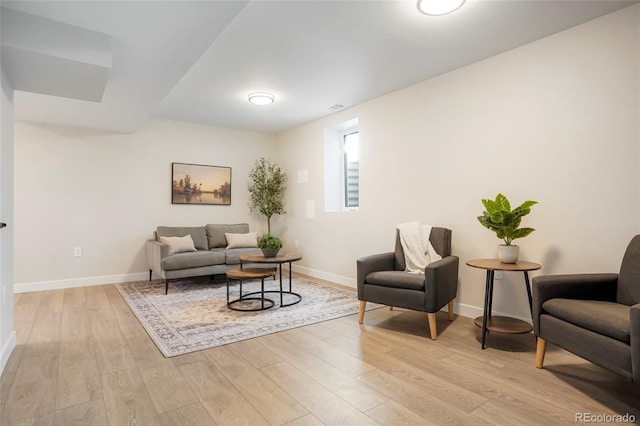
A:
x: 438, y: 7
x: 261, y: 98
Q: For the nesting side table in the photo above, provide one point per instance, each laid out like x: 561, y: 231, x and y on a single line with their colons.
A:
x: 246, y: 274
x: 279, y: 260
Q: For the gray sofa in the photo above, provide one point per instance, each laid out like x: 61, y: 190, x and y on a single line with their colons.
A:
x: 211, y: 256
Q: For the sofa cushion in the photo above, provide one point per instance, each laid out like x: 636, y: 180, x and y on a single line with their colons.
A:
x: 232, y: 256
x: 250, y: 239
x: 396, y: 279
x: 606, y: 318
x: 178, y: 244
x: 194, y: 259
x: 215, y: 233
x: 197, y: 233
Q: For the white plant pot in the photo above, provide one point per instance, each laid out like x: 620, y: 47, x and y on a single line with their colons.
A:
x: 508, y: 254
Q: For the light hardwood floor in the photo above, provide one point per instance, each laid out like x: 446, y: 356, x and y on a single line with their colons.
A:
x: 83, y: 358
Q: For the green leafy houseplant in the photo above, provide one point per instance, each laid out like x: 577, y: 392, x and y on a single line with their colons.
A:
x: 268, y: 241
x: 505, y: 222
x: 266, y: 189
x: 269, y: 245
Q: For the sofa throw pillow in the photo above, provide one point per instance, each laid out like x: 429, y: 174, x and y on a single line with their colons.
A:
x: 178, y: 244
x: 215, y: 233
x: 250, y: 239
x: 198, y: 234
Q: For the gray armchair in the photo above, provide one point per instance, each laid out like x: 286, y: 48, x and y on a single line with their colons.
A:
x: 382, y: 279
x: 594, y: 316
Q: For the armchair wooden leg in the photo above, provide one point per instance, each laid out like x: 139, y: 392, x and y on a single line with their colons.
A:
x: 450, y: 309
x: 363, y: 305
x: 540, y: 350
x: 432, y: 325
x: 391, y: 308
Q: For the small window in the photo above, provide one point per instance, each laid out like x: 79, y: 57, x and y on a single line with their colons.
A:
x: 351, y: 169
x: 342, y: 167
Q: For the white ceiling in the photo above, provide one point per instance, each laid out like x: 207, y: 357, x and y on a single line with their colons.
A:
x: 197, y: 61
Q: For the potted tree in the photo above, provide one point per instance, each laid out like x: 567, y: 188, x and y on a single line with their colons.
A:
x: 266, y: 189
x: 505, y: 222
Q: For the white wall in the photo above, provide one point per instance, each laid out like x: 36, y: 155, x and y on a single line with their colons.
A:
x: 108, y: 192
x: 557, y: 121
x: 554, y: 121
x: 7, y: 334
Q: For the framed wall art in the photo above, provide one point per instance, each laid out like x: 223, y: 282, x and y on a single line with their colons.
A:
x: 200, y: 184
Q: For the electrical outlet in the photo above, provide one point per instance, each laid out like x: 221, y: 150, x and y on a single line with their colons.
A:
x: 497, y: 275
x: 77, y: 252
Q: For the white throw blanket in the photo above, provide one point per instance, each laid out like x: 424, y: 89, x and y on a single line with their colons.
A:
x: 418, y: 251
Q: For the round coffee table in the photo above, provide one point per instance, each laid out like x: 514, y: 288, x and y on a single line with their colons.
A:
x: 279, y: 259
x: 247, y: 274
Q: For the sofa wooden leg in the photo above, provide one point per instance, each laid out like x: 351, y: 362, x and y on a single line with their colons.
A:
x: 391, y: 308
x: 166, y: 286
x: 450, y: 309
x: 432, y: 325
x: 540, y: 350
x: 363, y: 305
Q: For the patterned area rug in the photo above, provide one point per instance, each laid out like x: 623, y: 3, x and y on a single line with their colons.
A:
x: 194, y: 315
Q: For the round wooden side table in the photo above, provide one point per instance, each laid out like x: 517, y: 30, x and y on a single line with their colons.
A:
x: 246, y: 274
x: 499, y: 323
x: 278, y: 260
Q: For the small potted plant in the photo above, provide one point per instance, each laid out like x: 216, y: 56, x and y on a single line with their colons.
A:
x: 505, y: 222
x: 269, y: 245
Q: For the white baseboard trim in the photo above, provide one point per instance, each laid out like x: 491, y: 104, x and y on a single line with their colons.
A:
x: 459, y: 309
x: 478, y: 311
x: 338, y: 279
x: 79, y: 282
x: 7, y: 348
x: 466, y: 310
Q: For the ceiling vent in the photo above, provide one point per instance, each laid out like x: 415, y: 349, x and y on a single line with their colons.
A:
x: 336, y: 106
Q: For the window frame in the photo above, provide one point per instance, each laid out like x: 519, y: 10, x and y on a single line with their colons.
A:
x: 343, y: 178
x: 335, y: 184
